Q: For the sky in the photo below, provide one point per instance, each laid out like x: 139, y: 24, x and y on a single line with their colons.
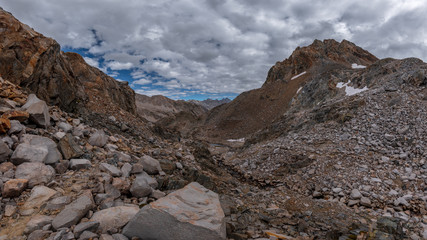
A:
x: 198, y: 49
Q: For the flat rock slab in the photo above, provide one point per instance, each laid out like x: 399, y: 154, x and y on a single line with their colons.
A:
x: 115, y: 217
x: 77, y: 164
x: 73, y: 212
x: 37, y: 222
x: 35, y: 172
x: 188, y: 213
x: 39, y: 195
x: 110, y: 169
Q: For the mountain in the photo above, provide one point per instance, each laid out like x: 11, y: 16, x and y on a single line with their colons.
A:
x: 344, y: 157
x: 159, y: 107
x: 36, y: 63
x: 256, y: 109
x: 211, y: 103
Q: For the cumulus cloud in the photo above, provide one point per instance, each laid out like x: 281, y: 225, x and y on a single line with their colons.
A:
x: 224, y: 46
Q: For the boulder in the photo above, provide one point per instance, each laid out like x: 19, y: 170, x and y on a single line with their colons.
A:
x: 15, y: 127
x: 58, y: 203
x: 85, y: 226
x: 73, y: 212
x: 69, y: 148
x: 99, y: 139
x: 66, y: 127
x: 140, y: 187
x: 150, y: 180
x: 188, y: 212
x: 37, y: 222
x: 29, y: 153
x: 39, y: 196
x: 36, y: 173
x: 110, y: 169
x: 53, y: 155
x: 4, y: 151
x: 14, y: 187
x: 77, y: 164
x: 38, y: 110
x: 355, y: 194
x: 151, y: 165
x: 114, y: 217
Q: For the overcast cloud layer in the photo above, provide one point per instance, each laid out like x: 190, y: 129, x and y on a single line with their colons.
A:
x: 197, y: 49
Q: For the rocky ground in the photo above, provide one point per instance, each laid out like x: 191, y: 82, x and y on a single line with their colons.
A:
x: 372, y: 160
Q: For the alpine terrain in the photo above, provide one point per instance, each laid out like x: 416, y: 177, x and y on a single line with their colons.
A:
x: 332, y: 146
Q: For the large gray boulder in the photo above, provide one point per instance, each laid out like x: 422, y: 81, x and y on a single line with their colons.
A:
x: 99, y: 139
x: 28, y: 153
x: 73, y: 212
x: 38, y: 110
x: 189, y: 213
x: 35, y: 172
x: 114, y: 218
x: 151, y: 165
x: 140, y: 187
x: 53, y: 155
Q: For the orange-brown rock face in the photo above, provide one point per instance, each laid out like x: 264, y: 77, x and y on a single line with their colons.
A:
x: 328, y: 51
x: 35, y: 62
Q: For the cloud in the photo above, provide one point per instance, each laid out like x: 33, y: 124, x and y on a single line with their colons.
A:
x: 219, y: 46
x: 115, y: 65
x: 141, y: 82
x: 91, y: 61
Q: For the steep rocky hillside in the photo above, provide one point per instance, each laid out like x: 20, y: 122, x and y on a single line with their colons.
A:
x: 36, y: 63
x: 256, y: 109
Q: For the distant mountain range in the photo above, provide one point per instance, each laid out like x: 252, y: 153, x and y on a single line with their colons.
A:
x: 211, y: 103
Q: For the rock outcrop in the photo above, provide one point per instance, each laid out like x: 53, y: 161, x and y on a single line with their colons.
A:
x: 37, y: 63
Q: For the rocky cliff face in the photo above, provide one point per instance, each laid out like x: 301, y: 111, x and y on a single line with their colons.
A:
x: 311, y: 65
x: 319, y: 53
x: 36, y: 63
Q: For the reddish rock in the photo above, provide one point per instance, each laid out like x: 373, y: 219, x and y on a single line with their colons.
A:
x: 122, y: 185
x: 14, y: 187
x: 4, y: 125
x: 6, y: 166
x: 16, y: 115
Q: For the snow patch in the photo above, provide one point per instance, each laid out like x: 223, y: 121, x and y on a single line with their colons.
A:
x: 299, y: 89
x: 299, y: 75
x: 236, y: 140
x: 349, y: 90
x: 357, y: 66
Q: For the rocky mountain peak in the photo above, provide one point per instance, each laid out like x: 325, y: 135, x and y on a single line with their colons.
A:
x: 319, y: 52
x: 36, y: 63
